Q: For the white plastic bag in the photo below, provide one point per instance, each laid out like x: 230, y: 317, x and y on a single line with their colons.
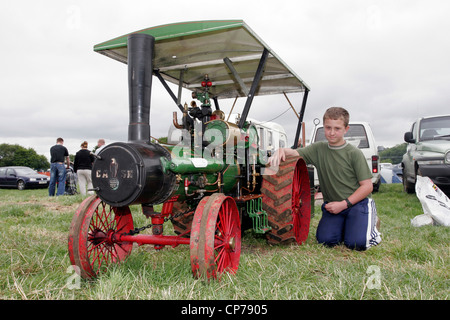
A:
x: 435, y: 203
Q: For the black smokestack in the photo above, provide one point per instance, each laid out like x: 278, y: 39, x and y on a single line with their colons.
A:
x: 140, y: 71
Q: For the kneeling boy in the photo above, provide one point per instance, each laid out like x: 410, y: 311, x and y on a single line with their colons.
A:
x: 348, y: 215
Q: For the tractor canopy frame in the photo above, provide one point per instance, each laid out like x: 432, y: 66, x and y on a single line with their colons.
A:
x: 237, y: 60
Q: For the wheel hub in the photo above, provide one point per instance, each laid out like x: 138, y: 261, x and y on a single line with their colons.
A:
x: 99, y: 236
x: 232, y: 243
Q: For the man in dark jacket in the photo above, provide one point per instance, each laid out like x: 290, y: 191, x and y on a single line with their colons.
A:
x: 58, y: 153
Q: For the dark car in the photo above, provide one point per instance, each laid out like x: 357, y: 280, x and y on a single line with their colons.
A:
x: 22, y: 178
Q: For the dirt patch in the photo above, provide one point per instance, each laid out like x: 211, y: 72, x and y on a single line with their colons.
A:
x: 51, y: 206
x: 61, y: 208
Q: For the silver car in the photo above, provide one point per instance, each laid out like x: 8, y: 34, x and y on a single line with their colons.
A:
x: 428, y: 152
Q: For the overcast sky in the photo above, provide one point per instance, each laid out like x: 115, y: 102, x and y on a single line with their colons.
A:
x: 386, y: 61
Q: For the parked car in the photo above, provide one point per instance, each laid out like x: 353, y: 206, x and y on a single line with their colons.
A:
x: 22, y: 178
x: 428, y: 152
x: 361, y: 136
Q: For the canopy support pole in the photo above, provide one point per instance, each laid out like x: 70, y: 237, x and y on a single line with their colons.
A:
x: 300, y: 119
x: 216, y: 103
x: 233, y: 71
x: 180, y: 86
x: 174, y: 98
x: 255, y: 84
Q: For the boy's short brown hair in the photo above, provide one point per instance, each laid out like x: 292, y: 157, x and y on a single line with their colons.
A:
x: 337, y: 113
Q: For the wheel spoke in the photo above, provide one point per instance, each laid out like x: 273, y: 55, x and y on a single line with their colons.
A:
x: 221, y: 260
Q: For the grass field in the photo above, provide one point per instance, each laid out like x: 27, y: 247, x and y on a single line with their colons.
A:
x: 410, y: 263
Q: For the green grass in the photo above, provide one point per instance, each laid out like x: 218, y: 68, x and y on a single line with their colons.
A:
x: 410, y: 263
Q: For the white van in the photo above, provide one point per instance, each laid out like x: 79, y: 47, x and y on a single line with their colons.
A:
x: 272, y: 135
x: 361, y: 136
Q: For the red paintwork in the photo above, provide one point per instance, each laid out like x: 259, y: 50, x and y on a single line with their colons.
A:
x: 99, y: 236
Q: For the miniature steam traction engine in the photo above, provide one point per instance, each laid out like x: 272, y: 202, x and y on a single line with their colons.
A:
x: 213, y: 183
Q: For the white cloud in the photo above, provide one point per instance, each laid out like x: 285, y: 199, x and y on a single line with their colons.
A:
x: 386, y: 61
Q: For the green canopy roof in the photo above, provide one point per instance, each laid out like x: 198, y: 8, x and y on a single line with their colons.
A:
x: 228, y: 51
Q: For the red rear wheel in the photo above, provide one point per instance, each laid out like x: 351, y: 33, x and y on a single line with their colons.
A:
x: 301, y: 202
x: 287, y: 201
x: 95, y: 236
x: 215, y: 237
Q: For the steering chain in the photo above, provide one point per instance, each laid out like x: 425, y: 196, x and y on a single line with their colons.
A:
x: 138, y: 230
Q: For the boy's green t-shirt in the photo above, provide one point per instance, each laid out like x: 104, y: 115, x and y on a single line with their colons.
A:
x: 339, y: 168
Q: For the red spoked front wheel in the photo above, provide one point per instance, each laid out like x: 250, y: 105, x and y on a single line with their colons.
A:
x: 215, y: 243
x: 95, y: 237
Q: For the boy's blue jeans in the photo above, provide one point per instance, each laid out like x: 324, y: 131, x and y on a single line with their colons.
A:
x: 356, y: 226
x: 57, y: 174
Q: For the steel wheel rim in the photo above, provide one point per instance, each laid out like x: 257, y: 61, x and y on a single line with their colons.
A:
x: 74, y: 232
x: 195, y: 237
x: 215, y: 237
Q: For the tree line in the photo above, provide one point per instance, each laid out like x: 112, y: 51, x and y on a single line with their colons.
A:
x: 393, y: 155
x: 16, y: 155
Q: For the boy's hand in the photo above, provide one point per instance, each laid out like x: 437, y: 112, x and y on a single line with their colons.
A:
x: 277, y: 157
x: 336, y: 206
x: 281, y: 155
x: 365, y: 188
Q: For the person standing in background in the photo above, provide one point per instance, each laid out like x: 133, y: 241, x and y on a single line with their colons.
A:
x: 83, y: 167
x: 58, y: 153
x: 100, y: 146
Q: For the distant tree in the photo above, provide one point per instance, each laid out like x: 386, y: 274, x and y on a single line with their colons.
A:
x: 393, y: 155
x: 16, y: 155
x: 161, y: 140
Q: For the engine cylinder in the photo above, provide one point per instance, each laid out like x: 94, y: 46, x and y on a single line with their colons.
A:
x: 221, y: 132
